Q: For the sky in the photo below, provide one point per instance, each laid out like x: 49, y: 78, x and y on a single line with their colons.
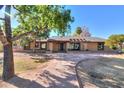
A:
x: 102, y: 21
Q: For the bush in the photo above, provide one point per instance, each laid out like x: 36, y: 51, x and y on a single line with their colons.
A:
x: 114, y: 47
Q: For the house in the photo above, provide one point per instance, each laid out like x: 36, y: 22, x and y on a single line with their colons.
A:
x: 68, y: 43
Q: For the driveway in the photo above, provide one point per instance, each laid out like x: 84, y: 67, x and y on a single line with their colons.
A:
x: 59, y: 72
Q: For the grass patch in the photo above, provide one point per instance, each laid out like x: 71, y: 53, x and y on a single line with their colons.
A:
x: 23, y: 65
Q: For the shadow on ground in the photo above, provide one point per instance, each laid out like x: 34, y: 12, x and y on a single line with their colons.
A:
x: 101, y: 72
x: 58, y: 81
x: 24, y: 83
x: 54, y: 81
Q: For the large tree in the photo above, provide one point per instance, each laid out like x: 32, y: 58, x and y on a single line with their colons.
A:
x: 44, y: 18
x: 32, y: 21
x: 116, y: 40
x: 6, y: 39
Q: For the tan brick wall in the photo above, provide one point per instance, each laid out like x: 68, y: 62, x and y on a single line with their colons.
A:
x: 32, y: 45
x: 55, y: 47
x: 50, y: 46
x: 81, y: 46
x: 84, y: 46
x: 92, y: 46
x: 67, y: 46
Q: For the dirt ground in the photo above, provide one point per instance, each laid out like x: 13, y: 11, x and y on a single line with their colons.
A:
x: 101, y: 72
x: 58, y: 72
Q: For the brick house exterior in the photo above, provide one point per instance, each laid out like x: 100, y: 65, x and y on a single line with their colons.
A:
x: 68, y: 43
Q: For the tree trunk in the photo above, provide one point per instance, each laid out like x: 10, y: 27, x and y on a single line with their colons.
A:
x: 8, y: 65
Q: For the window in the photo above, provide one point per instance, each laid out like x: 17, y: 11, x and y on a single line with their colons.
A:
x: 100, y: 46
x: 43, y: 46
x: 74, y: 46
x: 37, y: 45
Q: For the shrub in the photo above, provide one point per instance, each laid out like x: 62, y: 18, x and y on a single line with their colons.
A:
x: 114, y: 47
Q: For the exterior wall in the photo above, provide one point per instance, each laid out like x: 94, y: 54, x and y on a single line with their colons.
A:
x: 67, y: 46
x: 92, y: 46
x: 55, y: 47
x: 32, y: 45
x: 81, y: 46
x: 84, y: 46
x: 50, y: 46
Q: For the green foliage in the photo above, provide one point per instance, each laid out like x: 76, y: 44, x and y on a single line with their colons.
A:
x: 78, y: 31
x: 44, y: 18
x: 83, y: 32
x: 115, y: 40
x: 113, y: 47
x: 23, y: 40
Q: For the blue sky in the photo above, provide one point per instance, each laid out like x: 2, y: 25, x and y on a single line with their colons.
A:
x: 102, y: 21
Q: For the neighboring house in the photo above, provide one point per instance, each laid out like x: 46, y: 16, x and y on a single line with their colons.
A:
x: 68, y: 43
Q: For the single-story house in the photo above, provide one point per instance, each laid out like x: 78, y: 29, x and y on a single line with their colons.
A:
x: 68, y: 43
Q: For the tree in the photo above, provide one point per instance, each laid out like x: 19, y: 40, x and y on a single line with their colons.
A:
x: 115, y: 41
x: 44, y: 18
x: 33, y: 20
x: 8, y: 65
x: 78, y: 31
x: 83, y: 32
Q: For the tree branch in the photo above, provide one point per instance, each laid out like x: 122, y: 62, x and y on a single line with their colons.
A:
x: 16, y: 9
x: 21, y: 35
x: 2, y: 19
x: 3, y: 38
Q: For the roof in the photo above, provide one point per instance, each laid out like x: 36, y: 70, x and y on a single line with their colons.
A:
x: 44, y: 40
x: 71, y: 38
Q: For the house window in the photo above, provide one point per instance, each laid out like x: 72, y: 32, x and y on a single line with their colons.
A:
x: 43, y: 46
x: 100, y: 46
x: 37, y: 45
x: 74, y: 46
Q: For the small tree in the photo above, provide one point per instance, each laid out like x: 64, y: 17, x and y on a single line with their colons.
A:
x: 78, y: 31
x: 115, y: 41
x: 83, y: 32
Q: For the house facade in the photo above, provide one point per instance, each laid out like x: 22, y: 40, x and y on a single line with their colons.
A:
x: 68, y: 43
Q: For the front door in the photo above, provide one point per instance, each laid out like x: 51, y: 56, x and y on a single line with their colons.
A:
x: 61, y: 46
